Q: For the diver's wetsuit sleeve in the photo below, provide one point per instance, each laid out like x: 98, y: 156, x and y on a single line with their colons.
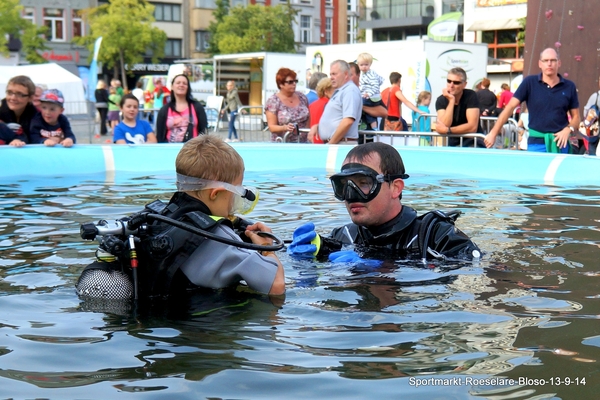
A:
x: 450, y: 241
x: 218, y: 265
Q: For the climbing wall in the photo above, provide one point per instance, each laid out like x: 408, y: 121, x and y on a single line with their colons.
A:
x: 572, y: 27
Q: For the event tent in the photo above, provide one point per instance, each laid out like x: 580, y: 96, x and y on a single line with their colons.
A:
x: 53, y: 76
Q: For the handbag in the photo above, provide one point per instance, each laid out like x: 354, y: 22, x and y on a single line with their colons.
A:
x: 392, y: 125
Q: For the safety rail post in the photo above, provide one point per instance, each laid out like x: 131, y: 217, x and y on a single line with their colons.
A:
x: 251, y: 124
x: 418, y: 124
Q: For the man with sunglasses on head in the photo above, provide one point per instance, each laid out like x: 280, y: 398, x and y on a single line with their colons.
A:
x: 458, y: 110
x: 550, y: 99
x: 370, y: 184
x: 17, y: 111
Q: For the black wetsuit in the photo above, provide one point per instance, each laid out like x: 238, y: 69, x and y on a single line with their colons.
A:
x: 432, y: 236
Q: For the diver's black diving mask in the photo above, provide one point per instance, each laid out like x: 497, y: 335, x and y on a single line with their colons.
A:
x: 357, y: 183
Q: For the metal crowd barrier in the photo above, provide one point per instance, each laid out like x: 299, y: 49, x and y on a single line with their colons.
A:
x: 406, y: 138
x: 251, y: 124
x: 509, y: 136
x: 81, y: 115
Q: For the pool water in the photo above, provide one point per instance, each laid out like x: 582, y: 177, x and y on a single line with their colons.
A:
x: 521, y: 323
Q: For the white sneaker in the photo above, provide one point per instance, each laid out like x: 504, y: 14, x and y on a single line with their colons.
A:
x: 235, y: 140
x: 227, y: 140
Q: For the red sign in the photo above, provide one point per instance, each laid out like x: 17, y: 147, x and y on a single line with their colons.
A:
x: 61, y: 57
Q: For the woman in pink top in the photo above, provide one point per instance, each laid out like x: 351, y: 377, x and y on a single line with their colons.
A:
x: 183, y: 117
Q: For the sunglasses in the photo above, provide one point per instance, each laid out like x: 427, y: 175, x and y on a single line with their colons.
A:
x: 291, y: 82
x: 455, y: 82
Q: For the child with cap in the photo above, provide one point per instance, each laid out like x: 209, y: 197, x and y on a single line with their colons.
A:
x: 50, y: 126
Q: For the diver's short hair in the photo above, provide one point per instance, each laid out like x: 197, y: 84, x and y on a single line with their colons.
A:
x: 209, y: 157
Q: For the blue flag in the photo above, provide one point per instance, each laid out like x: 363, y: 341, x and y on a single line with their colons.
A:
x: 93, y: 75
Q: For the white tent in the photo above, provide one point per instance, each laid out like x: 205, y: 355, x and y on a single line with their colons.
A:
x: 53, y: 76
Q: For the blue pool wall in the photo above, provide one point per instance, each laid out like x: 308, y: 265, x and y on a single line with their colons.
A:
x: 37, y: 161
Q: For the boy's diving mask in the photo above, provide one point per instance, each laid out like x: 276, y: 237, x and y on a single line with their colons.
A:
x: 357, y: 183
x: 244, y: 201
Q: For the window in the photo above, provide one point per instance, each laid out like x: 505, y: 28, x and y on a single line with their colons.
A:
x: 351, y: 24
x: 54, y: 19
x: 167, y: 12
x: 78, y: 25
x: 305, y: 1
x: 305, y: 28
x: 173, y: 48
x: 328, y: 30
x: 503, y: 43
x: 328, y: 3
x: 29, y: 14
x: 202, y: 41
x: 211, y: 4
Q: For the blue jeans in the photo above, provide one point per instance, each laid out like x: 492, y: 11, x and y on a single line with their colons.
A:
x: 232, y: 131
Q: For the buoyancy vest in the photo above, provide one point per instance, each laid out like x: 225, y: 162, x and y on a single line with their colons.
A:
x: 164, y: 248
x: 431, y: 235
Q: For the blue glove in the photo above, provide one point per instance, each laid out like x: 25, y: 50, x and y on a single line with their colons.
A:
x: 350, y: 256
x: 305, y: 242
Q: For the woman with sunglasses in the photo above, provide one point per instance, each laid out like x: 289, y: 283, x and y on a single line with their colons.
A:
x: 287, y: 110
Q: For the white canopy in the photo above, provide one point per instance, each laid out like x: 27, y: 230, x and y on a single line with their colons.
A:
x: 53, y: 76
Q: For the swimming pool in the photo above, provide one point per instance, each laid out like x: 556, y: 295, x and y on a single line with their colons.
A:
x: 527, y: 311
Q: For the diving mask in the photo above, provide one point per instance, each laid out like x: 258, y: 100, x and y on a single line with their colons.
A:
x: 357, y: 183
x: 245, y: 199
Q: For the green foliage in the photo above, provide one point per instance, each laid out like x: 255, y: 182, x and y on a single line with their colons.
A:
x: 219, y: 14
x: 256, y: 28
x: 521, y: 35
x: 31, y: 36
x: 126, y: 30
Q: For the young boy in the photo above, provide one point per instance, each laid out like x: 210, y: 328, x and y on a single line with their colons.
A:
x: 370, y: 84
x: 171, y: 259
x: 50, y: 126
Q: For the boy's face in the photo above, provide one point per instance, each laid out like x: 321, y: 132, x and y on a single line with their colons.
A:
x: 223, y: 205
x: 130, y: 109
x: 364, y: 66
x: 50, y: 112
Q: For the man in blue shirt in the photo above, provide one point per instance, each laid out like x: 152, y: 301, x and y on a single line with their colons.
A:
x: 549, y: 97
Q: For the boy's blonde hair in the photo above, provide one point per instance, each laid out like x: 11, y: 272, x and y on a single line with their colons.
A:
x: 422, y: 96
x: 209, y: 157
x: 365, y: 57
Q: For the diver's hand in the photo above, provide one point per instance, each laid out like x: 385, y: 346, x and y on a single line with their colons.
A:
x: 350, y: 256
x: 302, y: 242
x: 252, y: 232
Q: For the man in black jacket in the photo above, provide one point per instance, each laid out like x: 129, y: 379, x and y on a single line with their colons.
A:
x: 370, y: 184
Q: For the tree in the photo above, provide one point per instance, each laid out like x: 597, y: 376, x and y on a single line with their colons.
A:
x: 257, y: 28
x: 127, y: 34
x: 219, y: 14
x: 31, y: 36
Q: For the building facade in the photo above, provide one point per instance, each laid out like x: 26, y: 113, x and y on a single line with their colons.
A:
x: 64, y: 24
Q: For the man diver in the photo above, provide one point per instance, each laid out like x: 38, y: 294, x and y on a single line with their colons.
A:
x: 370, y: 184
